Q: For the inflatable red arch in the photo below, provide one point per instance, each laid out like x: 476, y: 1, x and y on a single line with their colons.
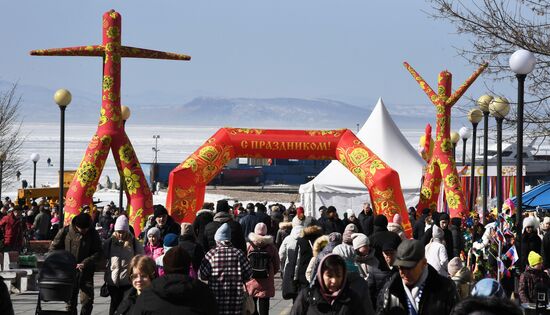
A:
x: 187, y: 183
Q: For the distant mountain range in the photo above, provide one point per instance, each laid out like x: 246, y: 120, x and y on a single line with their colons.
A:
x: 38, y: 106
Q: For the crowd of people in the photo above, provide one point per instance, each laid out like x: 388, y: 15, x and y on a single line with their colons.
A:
x: 226, y: 261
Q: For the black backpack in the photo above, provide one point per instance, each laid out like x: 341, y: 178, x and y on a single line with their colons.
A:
x: 259, y: 261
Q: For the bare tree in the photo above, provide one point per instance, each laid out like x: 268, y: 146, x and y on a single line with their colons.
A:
x: 496, y: 29
x: 11, y: 138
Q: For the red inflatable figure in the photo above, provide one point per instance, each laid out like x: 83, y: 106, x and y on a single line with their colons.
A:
x: 441, y: 165
x: 110, y: 133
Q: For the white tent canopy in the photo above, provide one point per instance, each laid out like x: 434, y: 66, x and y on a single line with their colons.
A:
x: 338, y: 187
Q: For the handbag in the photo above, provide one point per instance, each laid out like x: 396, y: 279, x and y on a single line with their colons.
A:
x: 104, y: 291
x: 249, y: 307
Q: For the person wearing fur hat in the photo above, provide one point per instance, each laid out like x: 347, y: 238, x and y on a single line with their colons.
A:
x: 226, y: 269
x: 284, y: 230
x: 188, y: 241
x: 461, y: 275
x: 153, y: 245
x: 119, y: 250
x: 83, y: 242
x: 318, y: 246
x: 265, y: 263
x: 436, y: 254
x: 530, y: 241
x: 304, y: 253
x: 330, y: 293
x: 396, y: 226
x: 532, y: 279
x: 176, y: 292
x: 379, y: 236
x: 351, y: 218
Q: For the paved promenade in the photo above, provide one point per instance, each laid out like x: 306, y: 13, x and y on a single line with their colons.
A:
x: 25, y: 303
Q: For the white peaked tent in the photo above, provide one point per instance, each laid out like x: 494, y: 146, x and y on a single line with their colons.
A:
x: 337, y: 186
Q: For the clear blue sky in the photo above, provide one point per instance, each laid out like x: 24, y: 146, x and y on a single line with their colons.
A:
x: 350, y: 51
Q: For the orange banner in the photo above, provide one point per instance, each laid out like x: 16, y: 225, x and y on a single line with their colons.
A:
x: 188, y: 181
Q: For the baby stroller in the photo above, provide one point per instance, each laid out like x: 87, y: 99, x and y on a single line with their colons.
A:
x: 56, y: 281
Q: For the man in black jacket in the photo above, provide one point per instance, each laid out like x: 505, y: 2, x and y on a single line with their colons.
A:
x: 417, y: 288
x: 331, y: 223
x: 366, y: 217
x: 380, y: 236
x: 83, y: 242
x: 5, y: 301
x: 420, y: 225
x: 222, y: 216
x: 164, y: 222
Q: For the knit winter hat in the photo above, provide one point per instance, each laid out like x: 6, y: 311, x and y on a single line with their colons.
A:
x: 260, y: 229
x: 444, y: 216
x: 534, y: 259
x: 381, y: 220
x: 488, y: 288
x: 397, y: 219
x: 170, y: 240
x: 121, y: 223
x: 187, y: 229
x: 350, y: 229
x: 359, y: 240
x: 529, y: 221
x: 82, y: 221
x: 159, y: 210
x: 223, y: 233
x: 154, y: 231
x: 454, y: 266
x: 176, y: 260
x: 438, y: 233
x: 350, y: 213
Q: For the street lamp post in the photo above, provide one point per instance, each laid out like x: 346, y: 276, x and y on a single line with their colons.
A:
x: 464, y: 133
x: 2, y: 159
x: 483, y: 103
x: 125, y: 113
x: 522, y: 62
x: 35, y: 157
x: 455, y: 137
x: 154, y: 173
x: 474, y: 116
x: 62, y: 98
x: 499, y: 108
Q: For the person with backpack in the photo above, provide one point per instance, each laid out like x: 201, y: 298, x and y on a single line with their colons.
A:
x: 119, y: 250
x: 264, y: 260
